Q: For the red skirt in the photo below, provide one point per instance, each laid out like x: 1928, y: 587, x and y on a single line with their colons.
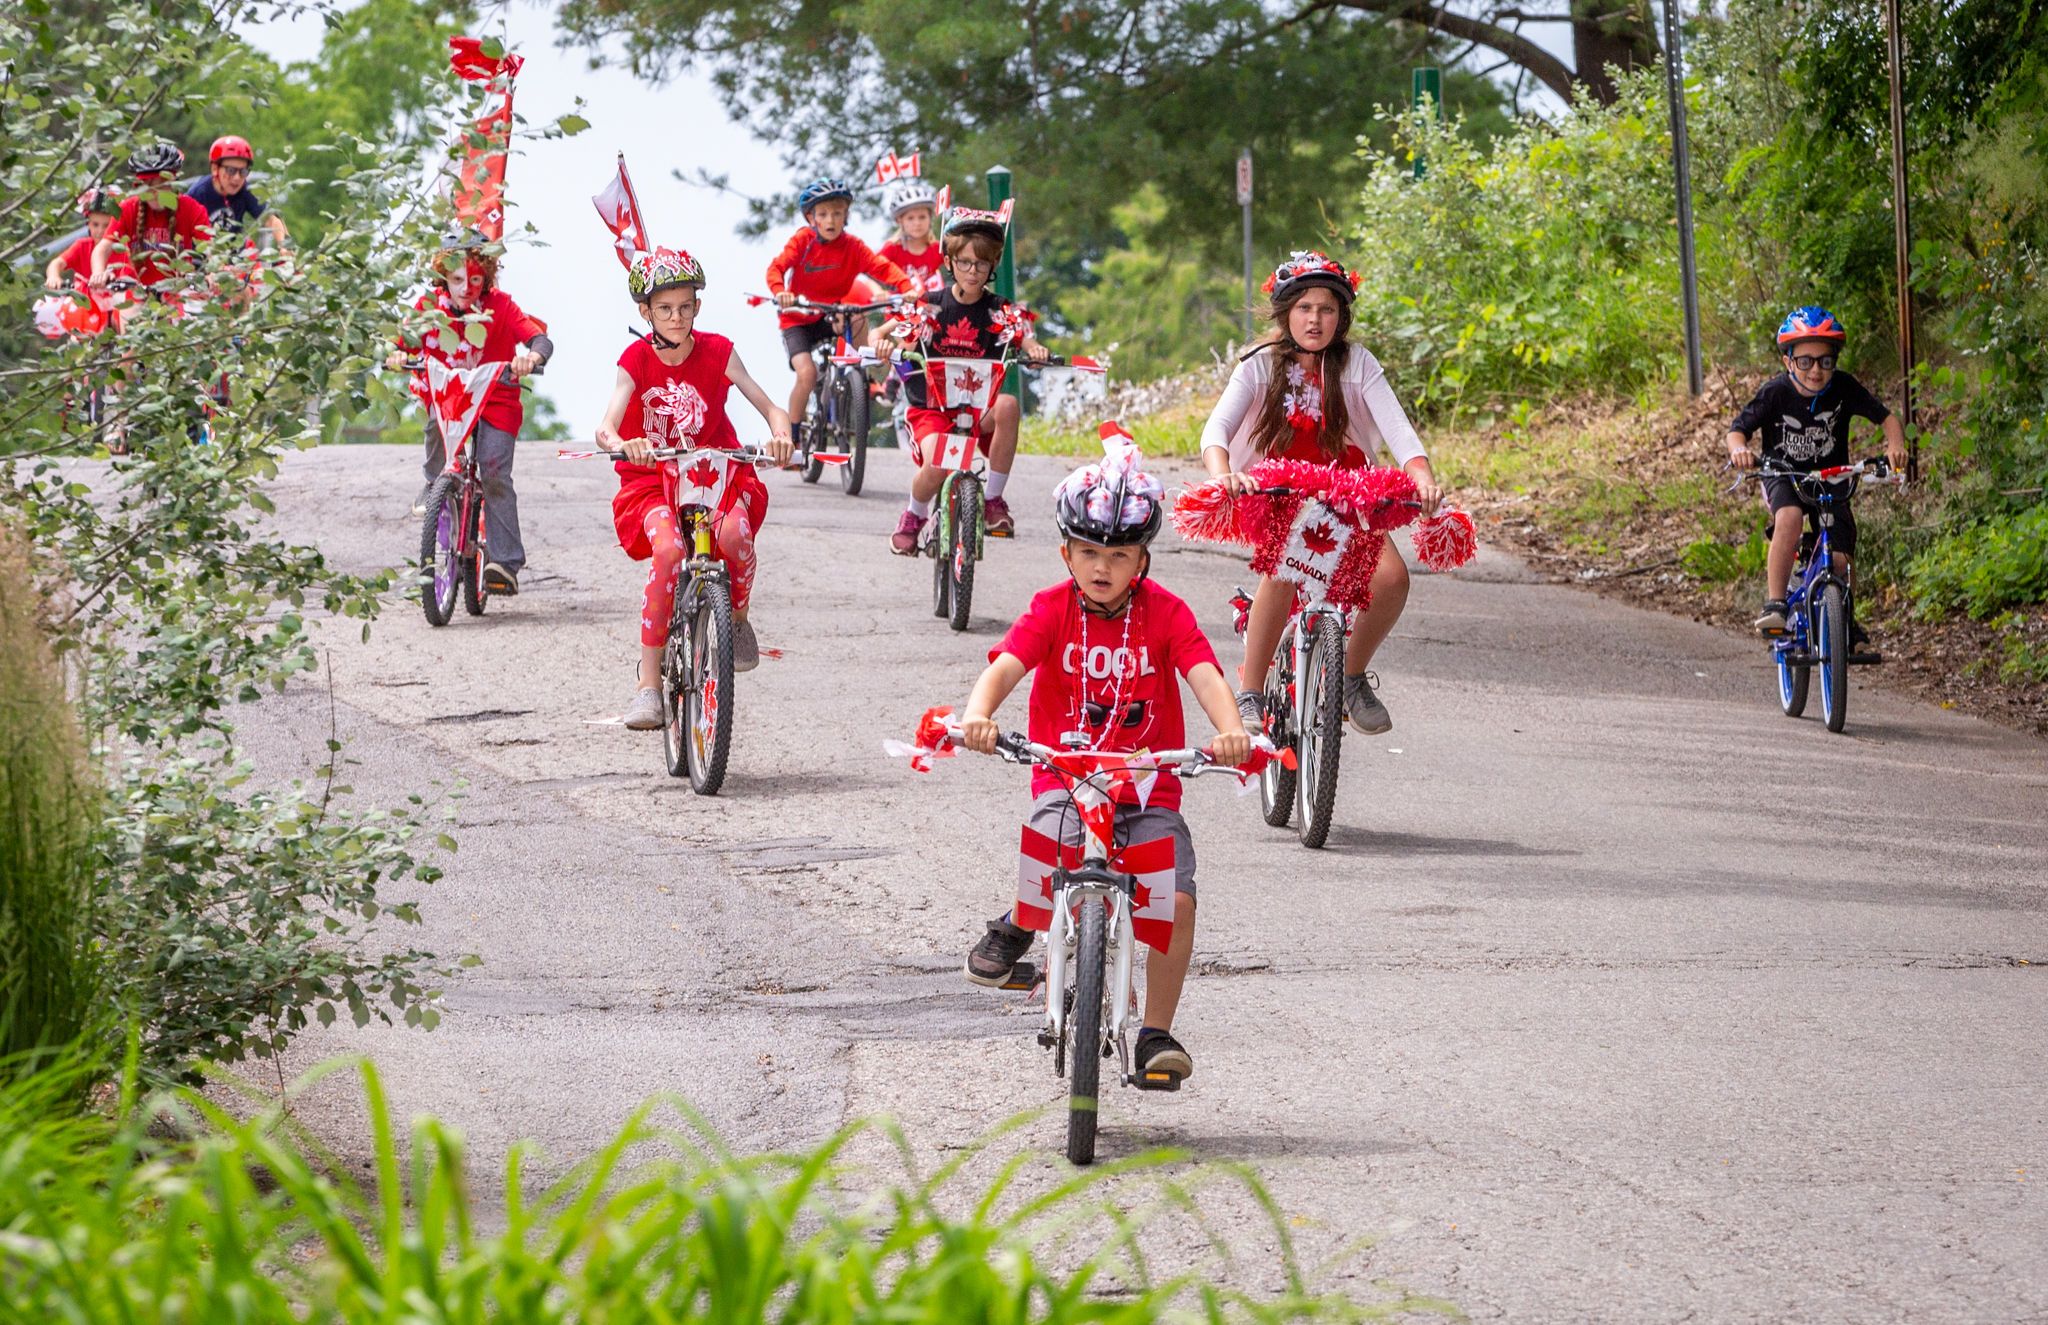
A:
x: 644, y: 491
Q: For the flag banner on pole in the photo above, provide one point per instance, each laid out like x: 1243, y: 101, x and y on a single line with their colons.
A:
x: 480, y: 182
x: 893, y: 167
x: 456, y: 396
x: 620, y: 209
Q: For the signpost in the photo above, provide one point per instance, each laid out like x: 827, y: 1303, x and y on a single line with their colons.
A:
x: 1426, y: 81
x: 1902, y: 230
x: 1681, y: 161
x: 1006, y: 269
x: 1244, y: 200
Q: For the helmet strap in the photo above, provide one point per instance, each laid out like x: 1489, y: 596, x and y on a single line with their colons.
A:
x: 662, y: 342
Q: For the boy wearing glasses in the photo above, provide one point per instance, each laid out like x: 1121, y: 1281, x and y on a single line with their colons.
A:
x: 1803, y: 415
x: 225, y: 192
x: 968, y: 321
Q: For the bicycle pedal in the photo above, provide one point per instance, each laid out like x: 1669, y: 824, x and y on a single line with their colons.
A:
x: 1023, y: 976
x: 1854, y: 661
x: 1151, y: 1080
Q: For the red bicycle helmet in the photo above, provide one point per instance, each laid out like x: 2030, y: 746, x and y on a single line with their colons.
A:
x: 229, y: 145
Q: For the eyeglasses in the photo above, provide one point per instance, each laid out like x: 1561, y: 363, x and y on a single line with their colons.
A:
x: 1806, y: 363
x: 1097, y: 715
x: 972, y: 264
x: 234, y: 172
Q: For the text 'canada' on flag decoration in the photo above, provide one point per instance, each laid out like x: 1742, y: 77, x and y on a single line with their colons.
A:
x: 480, y: 182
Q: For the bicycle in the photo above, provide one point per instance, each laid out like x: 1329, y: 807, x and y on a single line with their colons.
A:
x: 1091, y: 897
x: 454, y: 540
x: 1819, y: 601
x: 834, y: 429
x: 75, y: 317
x: 696, y: 659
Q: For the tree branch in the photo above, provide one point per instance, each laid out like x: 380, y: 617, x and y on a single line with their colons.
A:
x: 1547, y: 68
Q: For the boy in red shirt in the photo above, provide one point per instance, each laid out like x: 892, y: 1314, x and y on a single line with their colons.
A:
x: 671, y: 391
x: 1102, y: 648
x: 100, y: 210
x: 466, y: 286
x: 821, y: 262
x: 157, y: 226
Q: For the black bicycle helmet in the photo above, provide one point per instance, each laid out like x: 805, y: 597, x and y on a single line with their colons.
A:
x: 1110, y: 504
x: 1306, y: 267
x: 156, y: 159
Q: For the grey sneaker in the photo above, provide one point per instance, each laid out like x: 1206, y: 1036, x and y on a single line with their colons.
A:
x: 746, y: 650
x: 1367, y: 714
x: 644, y: 713
x: 1249, y: 708
x: 991, y: 960
x: 1772, y: 621
x: 419, y: 503
x: 501, y: 582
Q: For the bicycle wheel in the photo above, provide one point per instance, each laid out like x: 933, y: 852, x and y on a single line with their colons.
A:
x: 817, y: 432
x: 1792, y: 683
x: 1831, y: 642
x: 1276, y: 781
x: 440, y: 574
x: 1322, y: 731
x: 966, y: 542
x: 854, y: 418
x: 474, y: 592
x: 708, y: 701
x: 675, y: 683
x: 940, y: 550
x: 1090, y: 960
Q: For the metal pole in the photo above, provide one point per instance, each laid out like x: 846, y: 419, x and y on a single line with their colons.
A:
x: 1681, y: 160
x: 1426, y: 82
x: 1902, y: 227
x: 1006, y: 269
x: 1244, y: 200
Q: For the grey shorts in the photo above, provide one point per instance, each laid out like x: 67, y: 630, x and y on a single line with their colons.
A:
x: 1053, y: 815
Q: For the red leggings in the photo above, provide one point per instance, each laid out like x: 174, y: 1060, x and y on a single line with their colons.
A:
x: 732, y: 542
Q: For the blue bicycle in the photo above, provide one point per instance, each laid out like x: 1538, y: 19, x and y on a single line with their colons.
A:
x: 1817, y: 618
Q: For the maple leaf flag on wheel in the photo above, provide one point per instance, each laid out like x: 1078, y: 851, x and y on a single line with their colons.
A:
x: 1151, y: 862
x: 456, y: 395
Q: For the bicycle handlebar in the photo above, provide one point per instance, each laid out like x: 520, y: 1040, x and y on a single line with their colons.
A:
x: 751, y: 457
x: 1876, y: 469
x: 828, y: 309
x: 1017, y: 748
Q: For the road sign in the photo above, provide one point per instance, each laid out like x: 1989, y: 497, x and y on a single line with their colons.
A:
x: 1244, y: 178
x: 1244, y: 202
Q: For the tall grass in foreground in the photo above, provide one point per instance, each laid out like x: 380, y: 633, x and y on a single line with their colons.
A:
x: 252, y: 1222
x: 48, y: 988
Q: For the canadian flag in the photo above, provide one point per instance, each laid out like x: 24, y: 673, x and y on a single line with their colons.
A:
x: 962, y: 389
x: 1150, y: 862
x: 1315, y: 545
x: 456, y: 395
x: 479, y: 187
x: 701, y: 481
x: 893, y: 167
x: 619, y: 208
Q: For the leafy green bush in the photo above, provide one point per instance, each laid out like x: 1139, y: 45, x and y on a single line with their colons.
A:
x: 664, y: 1225
x: 1982, y: 569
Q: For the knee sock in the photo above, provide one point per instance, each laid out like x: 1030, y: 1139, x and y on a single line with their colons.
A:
x: 995, y: 484
x: 921, y: 509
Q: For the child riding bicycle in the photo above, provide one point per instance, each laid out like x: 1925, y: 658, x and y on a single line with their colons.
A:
x: 100, y: 210
x: 670, y: 392
x: 821, y: 263
x: 1803, y: 415
x: 1102, y: 648
x: 967, y: 321
x: 1280, y: 402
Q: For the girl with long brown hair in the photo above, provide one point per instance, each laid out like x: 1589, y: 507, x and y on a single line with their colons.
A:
x: 1307, y: 393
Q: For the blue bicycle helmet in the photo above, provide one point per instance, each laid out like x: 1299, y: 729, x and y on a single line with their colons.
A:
x: 822, y: 190
x: 1810, y: 322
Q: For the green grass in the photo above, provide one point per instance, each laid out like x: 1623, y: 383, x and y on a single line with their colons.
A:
x: 253, y: 1221
x: 1172, y: 432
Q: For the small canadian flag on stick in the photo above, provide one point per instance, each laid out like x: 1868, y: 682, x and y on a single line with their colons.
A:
x: 620, y: 210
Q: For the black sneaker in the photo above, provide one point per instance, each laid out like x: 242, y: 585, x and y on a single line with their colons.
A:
x: 501, y: 582
x: 1160, y: 1052
x: 991, y: 960
x: 1860, y: 648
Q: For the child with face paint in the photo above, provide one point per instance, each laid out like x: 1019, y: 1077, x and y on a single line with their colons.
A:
x: 466, y: 289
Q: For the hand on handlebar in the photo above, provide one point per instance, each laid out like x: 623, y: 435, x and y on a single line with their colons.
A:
x: 1231, y: 748
x: 1742, y: 457
x: 524, y: 362
x: 785, y: 300
x: 1428, y: 495
x: 780, y: 445
x: 1035, y: 353
x: 1238, y: 484
x: 979, y: 734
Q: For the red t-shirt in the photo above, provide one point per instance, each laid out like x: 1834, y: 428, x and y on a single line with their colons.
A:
x: 920, y: 267
x: 77, y: 257
x: 1162, y: 639
x: 507, y: 327
x: 153, y: 234
x: 678, y: 404
x: 824, y: 273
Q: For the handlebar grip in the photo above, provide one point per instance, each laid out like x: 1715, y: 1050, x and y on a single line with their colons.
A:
x: 1013, y: 743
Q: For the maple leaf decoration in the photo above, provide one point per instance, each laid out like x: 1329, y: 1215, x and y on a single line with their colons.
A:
x: 1045, y: 887
x: 1318, y: 540
x: 455, y: 400
x: 961, y: 332
x: 968, y: 380
x: 703, y: 474
x: 1141, y: 897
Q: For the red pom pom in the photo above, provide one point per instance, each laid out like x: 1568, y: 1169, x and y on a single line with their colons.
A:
x: 1207, y: 513
x: 1446, y: 540
x: 1379, y: 495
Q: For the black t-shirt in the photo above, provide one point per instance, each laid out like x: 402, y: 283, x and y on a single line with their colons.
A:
x: 1807, y: 432
x: 964, y: 331
x: 227, y: 213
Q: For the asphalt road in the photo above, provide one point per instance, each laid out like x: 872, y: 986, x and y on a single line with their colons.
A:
x: 1616, y: 995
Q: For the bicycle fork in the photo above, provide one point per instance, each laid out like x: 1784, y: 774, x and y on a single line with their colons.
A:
x: 1069, y: 894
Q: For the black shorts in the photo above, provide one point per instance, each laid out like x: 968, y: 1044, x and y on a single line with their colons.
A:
x: 798, y: 341
x: 1782, y: 492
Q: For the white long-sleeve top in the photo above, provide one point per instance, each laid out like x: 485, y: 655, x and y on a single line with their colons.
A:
x: 1373, y: 417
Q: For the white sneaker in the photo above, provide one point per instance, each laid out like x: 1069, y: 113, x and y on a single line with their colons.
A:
x: 644, y: 713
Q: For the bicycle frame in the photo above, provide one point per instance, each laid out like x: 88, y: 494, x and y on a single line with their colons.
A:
x: 1825, y: 488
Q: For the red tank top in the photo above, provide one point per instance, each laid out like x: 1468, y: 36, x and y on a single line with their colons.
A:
x: 678, y: 404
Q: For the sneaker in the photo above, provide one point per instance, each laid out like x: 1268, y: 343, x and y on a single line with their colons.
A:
x: 1772, y: 621
x: 904, y: 541
x: 1861, y: 650
x: 1160, y: 1052
x: 500, y: 581
x: 1251, y: 707
x: 746, y: 650
x: 644, y: 713
x: 991, y: 960
x: 419, y: 503
x: 1364, y: 707
x: 996, y: 518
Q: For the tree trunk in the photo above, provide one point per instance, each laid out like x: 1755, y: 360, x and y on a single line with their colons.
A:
x: 1610, y: 36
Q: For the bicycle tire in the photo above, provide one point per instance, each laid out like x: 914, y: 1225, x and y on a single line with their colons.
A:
x: 440, y: 574
x: 817, y: 433
x: 854, y: 472
x: 1831, y: 637
x: 1084, y: 1083
x: 709, y: 699
x: 1322, y: 734
x: 940, y: 550
x: 675, y: 683
x: 1276, y: 780
x: 475, y: 593
x: 966, y: 548
x: 1793, y: 679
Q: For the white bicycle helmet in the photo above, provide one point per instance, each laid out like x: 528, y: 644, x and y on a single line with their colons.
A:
x: 903, y: 194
